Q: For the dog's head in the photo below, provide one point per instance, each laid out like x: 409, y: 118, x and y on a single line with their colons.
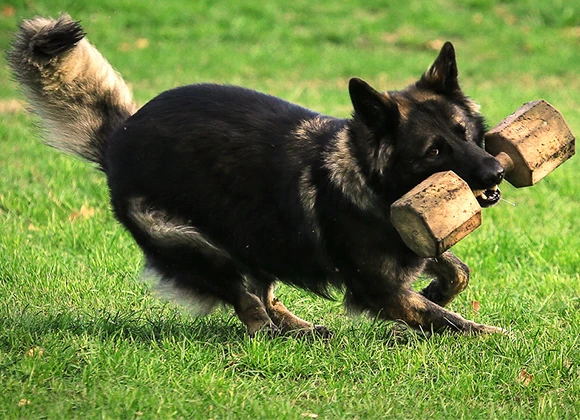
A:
x: 431, y: 126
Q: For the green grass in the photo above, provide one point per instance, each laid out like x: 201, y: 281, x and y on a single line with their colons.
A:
x: 81, y: 338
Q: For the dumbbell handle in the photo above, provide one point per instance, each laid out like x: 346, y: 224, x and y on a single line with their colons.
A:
x: 506, y: 161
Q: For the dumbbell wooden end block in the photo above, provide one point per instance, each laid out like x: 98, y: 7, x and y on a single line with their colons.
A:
x: 436, y: 214
x: 531, y: 143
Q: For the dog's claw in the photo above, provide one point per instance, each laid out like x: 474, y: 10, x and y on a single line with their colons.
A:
x: 487, y: 329
x: 314, y: 331
x: 322, y: 332
x: 268, y: 329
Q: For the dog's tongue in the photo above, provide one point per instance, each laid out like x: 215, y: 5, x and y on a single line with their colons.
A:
x: 488, y: 198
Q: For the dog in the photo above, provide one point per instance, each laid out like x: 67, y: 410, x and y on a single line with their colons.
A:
x: 227, y: 190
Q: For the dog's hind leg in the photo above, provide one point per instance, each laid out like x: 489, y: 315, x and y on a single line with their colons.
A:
x: 251, y: 311
x: 191, y: 267
x: 283, y: 318
x: 191, y: 290
x: 450, y: 277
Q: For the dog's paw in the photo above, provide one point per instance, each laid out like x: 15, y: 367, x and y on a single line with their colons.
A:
x: 322, y: 332
x: 269, y: 329
x: 481, y: 329
x: 318, y: 331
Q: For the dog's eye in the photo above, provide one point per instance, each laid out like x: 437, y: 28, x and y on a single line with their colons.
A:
x: 432, y: 152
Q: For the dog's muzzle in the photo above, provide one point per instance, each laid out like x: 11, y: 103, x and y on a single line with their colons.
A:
x: 489, y: 197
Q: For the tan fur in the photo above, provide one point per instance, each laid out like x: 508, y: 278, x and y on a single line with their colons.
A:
x: 424, y: 95
x: 404, y: 106
x: 473, y: 106
x: 168, y: 231
x: 308, y: 200
x: 281, y: 316
x: 345, y: 173
x: 252, y: 312
x: 459, y: 118
x: 434, y: 75
x: 309, y: 128
x: 451, y: 277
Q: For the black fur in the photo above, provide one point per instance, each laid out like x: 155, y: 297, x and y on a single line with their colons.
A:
x: 64, y: 37
x: 223, y: 159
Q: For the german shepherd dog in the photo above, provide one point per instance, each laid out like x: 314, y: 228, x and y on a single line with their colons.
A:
x: 227, y: 190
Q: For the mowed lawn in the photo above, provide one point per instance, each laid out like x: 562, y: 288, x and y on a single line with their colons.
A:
x: 81, y: 337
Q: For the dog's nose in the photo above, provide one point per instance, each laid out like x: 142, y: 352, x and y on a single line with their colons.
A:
x: 499, y: 174
x: 494, y: 173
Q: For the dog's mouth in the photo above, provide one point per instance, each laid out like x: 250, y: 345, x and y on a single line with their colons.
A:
x: 489, y: 197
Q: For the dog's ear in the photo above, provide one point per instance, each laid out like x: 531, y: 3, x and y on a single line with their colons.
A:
x: 374, y: 109
x: 441, y: 77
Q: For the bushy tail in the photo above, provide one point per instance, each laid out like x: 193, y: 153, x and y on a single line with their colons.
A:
x: 79, y: 97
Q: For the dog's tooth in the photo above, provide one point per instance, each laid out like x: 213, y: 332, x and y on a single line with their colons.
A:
x: 478, y: 193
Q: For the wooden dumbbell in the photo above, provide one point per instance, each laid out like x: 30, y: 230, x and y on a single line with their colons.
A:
x: 442, y: 210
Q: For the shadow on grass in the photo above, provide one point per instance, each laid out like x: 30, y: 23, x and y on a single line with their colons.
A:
x: 154, y: 325
x: 144, y: 326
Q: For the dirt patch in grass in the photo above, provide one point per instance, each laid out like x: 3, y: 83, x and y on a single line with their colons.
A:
x: 11, y: 106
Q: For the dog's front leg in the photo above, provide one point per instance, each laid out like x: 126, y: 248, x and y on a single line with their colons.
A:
x: 450, y: 277
x: 418, y: 312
